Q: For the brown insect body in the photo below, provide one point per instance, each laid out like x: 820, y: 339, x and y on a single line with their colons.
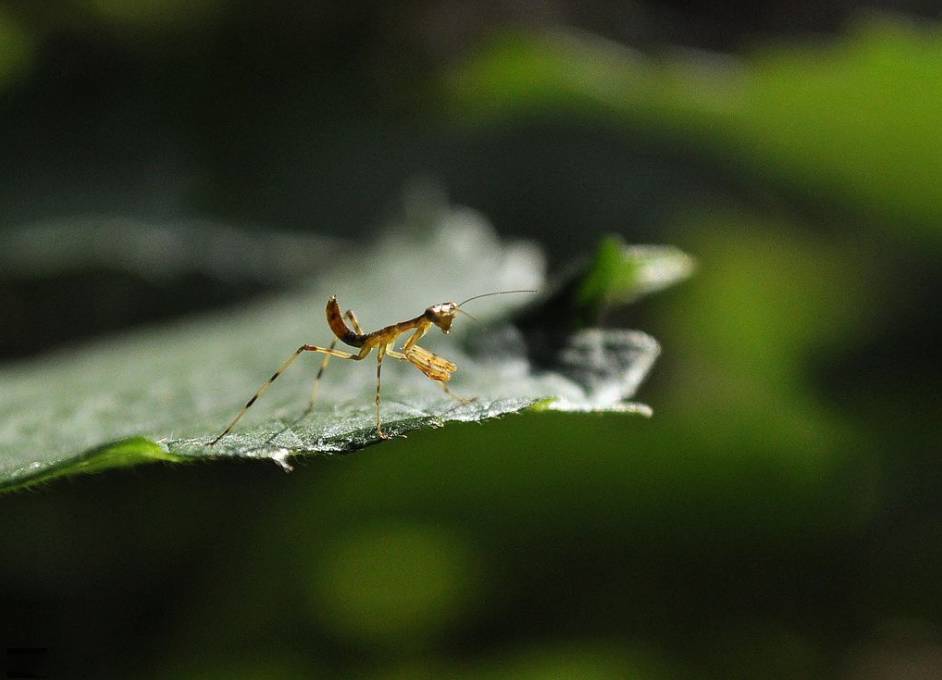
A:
x: 433, y: 366
x: 439, y: 315
x: 340, y: 329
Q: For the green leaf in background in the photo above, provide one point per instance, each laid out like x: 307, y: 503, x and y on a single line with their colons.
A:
x: 853, y: 122
x: 163, y: 393
x: 620, y: 273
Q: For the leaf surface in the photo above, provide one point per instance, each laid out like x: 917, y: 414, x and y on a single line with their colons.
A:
x: 163, y: 393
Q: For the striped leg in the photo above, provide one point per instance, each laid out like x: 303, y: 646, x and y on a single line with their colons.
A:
x: 281, y: 369
x: 356, y: 326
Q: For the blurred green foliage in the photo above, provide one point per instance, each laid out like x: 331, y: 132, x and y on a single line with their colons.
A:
x: 853, y: 120
x: 394, y: 586
x: 16, y: 48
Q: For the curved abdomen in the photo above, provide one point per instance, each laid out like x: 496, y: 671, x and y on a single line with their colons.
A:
x: 339, y: 326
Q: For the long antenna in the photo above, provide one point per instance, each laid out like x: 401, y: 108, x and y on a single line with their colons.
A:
x: 468, y: 314
x: 499, y: 292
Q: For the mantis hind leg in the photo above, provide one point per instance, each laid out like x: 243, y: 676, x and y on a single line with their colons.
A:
x: 329, y: 351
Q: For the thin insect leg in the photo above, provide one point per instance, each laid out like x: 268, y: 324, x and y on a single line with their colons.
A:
x: 353, y: 320
x: 461, y: 400
x: 379, y: 369
x: 317, y: 379
x: 281, y: 369
x: 415, y: 337
x: 339, y: 353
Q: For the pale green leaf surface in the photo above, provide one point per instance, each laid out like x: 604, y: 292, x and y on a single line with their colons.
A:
x: 163, y: 393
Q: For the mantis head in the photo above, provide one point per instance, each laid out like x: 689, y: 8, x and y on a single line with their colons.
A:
x: 443, y: 315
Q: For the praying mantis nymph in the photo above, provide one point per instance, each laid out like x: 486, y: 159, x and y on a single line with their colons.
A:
x: 435, y: 368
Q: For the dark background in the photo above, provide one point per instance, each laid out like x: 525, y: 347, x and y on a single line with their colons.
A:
x: 779, y: 517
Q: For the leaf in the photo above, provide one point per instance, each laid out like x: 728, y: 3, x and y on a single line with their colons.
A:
x: 851, y: 119
x: 617, y: 275
x: 164, y: 393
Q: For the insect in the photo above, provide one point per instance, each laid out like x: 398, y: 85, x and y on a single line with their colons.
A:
x: 435, y: 368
